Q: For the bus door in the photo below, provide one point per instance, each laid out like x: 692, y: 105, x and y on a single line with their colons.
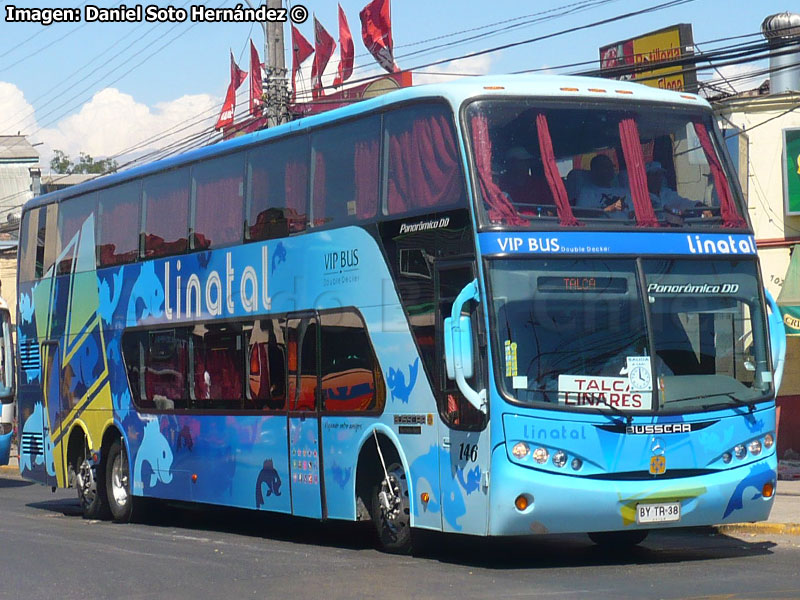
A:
x: 464, y: 439
x: 56, y: 406
x: 305, y: 450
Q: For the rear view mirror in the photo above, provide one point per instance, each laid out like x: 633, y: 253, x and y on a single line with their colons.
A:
x: 464, y: 346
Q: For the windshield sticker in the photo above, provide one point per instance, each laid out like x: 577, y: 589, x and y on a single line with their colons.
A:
x: 638, y: 371
x: 520, y: 382
x: 604, y: 393
x: 589, y: 242
x: 693, y: 288
x: 511, y: 359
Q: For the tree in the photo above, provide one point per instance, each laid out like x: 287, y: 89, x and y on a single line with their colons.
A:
x: 61, y: 163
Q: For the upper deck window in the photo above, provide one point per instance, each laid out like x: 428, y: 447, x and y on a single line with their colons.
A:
x: 346, y: 161
x: 166, y: 202
x: 118, y: 224
x: 602, y: 165
x: 218, y: 194
x: 277, y: 176
x: 424, y: 170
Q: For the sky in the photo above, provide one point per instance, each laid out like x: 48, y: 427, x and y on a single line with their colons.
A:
x: 119, y: 89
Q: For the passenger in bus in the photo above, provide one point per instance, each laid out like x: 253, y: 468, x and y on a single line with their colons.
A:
x: 600, y: 192
x: 665, y: 198
x: 524, y: 182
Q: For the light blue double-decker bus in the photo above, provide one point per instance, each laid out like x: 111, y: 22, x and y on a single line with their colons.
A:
x: 502, y: 306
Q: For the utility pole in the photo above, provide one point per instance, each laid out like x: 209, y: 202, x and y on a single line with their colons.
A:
x: 276, y: 87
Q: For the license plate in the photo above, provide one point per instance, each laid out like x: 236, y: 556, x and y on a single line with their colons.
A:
x: 663, y: 512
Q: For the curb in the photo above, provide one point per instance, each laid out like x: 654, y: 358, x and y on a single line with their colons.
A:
x: 773, y: 528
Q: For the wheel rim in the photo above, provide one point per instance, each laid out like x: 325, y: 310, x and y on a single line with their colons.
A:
x: 85, y: 483
x: 119, y: 479
x: 393, y: 519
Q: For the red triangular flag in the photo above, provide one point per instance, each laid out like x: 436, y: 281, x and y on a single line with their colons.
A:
x: 237, y: 75
x: 301, y: 50
x: 376, y: 31
x: 256, y: 85
x: 346, y: 51
x: 324, y: 46
x: 226, y: 115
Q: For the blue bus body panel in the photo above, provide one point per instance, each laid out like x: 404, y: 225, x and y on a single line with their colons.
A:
x: 5, y: 448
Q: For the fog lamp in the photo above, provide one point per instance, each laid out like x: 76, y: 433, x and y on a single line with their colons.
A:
x: 754, y: 447
x: 768, y: 490
x: 540, y: 455
x: 560, y: 458
x: 740, y: 451
x: 769, y: 440
x: 520, y: 450
x: 727, y: 457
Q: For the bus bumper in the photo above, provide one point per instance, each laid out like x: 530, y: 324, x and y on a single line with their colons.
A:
x: 569, y: 504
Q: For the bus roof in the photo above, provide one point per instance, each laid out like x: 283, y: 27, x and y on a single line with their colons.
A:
x: 454, y: 92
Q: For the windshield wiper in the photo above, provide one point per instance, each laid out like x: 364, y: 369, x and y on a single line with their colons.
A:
x: 627, y: 416
x: 738, y: 401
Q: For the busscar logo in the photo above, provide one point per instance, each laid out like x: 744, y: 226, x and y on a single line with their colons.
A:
x: 655, y: 428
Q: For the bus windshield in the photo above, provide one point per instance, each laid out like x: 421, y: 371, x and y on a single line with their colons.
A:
x: 665, y: 335
x: 540, y: 164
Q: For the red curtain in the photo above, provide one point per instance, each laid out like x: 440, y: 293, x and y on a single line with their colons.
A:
x: 730, y: 216
x: 119, y: 244
x: 424, y: 166
x: 500, y: 208
x: 167, y: 220
x: 296, y: 184
x: 318, y: 212
x: 634, y: 160
x: 565, y: 216
x: 366, y: 170
x: 218, y: 212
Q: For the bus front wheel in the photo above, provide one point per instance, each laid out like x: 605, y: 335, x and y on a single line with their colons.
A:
x: 391, y: 511
x: 619, y: 539
x: 118, y: 485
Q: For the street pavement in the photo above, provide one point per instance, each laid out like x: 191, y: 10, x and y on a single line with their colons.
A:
x: 784, y: 519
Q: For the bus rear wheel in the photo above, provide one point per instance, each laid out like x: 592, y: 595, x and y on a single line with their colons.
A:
x: 391, y: 511
x: 619, y: 539
x: 118, y: 486
x: 90, y: 485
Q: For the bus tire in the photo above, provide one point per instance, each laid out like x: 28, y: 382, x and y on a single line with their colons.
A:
x: 90, y: 484
x: 619, y: 539
x: 393, y: 524
x: 120, y: 499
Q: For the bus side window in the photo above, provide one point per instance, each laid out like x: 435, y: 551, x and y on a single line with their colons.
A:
x: 71, y: 216
x: 218, y: 202
x: 349, y: 368
x: 217, y: 361
x: 267, y: 365
x: 302, y: 363
x: 118, y: 244
x: 166, y: 218
x: 345, y: 160
x: 424, y: 161
x: 30, y: 257
x: 277, y: 189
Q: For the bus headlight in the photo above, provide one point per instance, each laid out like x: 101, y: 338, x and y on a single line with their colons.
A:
x: 727, y: 457
x: 740, y: 451
x: 769, y: 439
x: 754, y: 447
x: 520, y: 450
x: 540, y: 455
x: 576, y: 464
x: 560, y: 458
